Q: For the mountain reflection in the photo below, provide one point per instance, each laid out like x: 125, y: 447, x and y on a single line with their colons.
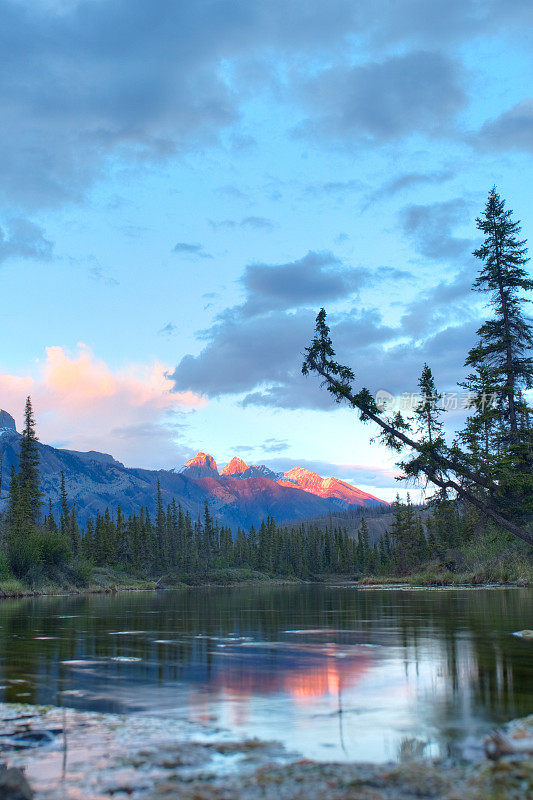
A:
x: 303, y: 671
x: 436, y: 659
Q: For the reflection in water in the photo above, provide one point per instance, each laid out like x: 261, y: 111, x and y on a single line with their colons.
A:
x: 334, y: 672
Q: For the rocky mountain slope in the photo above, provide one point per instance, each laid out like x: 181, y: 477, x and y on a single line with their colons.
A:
x: 240, y: 495
x: 331, y: 488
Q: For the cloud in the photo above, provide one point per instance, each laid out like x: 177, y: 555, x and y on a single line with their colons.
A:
x: 382, y: 101
x: 408, y: 181
x: 229, y: 190
x: 334, y: 187
x: 168, y: 330
x: 274, y: 445
x: 243, y: 352
x: 188, y: 249
x: 256, y: 348
x: 69, y: 388
x: 395, y: 368
x: 86, y: 83
x: 24, y: 239
x: 258, y: 223
x: 315, y: 278
x: 512, y: 130
x: 446, y: 303
x: 99, y: 274
x: 445, y: 21
x: 89, y: 80
x: 430, y: 228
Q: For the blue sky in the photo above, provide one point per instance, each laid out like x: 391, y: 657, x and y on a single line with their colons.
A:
x: 183, y: 185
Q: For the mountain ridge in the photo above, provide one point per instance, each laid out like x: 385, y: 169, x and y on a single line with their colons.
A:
x: 96, y: 481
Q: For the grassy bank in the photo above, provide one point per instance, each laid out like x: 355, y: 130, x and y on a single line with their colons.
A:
x: 106, y: 580
x: 472, y: 565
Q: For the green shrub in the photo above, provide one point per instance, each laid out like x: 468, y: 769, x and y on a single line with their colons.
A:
x: 5, y: 571
x: 54, y: 548
x: 24, y: 553
x: 11, y: 587
x: 82, y: 571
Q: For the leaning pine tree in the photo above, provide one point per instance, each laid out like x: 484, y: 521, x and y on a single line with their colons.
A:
x: 503, y: 493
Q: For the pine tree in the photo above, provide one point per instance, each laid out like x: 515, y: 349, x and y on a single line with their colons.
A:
x: 507, y: 337
x: 480, y: 434
x: 88, y: 541
x: 13, y: 503
x: 427, y: 411
x: 160, y: 519
x: 363, y: 546
x: 427, y: 414
x: 64, y: 519
x: 507, y: 340
x: 50, y: 523
x: 28, y: 474
x: 407, y: 532
x: 74, y: 537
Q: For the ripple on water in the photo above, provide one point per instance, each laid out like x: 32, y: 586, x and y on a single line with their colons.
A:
x: 125, y: 659
x: 126, y: 633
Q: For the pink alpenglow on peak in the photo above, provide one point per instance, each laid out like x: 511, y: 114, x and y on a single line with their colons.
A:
x: 201, y: 466
x: 327, y: 487
x: 235, y: 467
x: 256, y: 479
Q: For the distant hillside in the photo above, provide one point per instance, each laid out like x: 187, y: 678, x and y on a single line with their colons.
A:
x: 379, y: 519
x: 241, y: 496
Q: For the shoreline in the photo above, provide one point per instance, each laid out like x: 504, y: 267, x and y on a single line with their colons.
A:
x: 58, y: 591
x: 107, y: 754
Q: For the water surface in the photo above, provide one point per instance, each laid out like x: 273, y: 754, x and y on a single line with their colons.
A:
x: 333, y: 672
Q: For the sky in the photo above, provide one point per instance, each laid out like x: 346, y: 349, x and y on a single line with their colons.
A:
x: 184, y: 185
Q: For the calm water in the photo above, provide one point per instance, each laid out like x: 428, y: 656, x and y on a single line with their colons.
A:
x: 332, y: 672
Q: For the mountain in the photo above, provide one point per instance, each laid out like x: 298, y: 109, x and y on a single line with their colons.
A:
x: 237, y: 468
x: 241, y: 495
x: 201, y: 466
x: 330, y: 488
x: 7, y: 423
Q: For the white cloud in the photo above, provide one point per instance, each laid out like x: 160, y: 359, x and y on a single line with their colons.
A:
x: 84, y: 404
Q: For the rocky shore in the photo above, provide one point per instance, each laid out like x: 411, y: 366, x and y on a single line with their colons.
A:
x: 49, y: 753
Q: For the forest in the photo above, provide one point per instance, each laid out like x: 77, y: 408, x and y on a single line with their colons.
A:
x: 476, y: 528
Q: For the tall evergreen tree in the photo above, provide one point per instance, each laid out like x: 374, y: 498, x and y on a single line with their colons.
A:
x: 64, y: 519
x: 427, y: 410
x: 28, y: 474
x: 507, y: 338
x: 363, y: 546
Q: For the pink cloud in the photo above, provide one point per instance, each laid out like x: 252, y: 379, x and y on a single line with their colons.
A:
x: 83, y: 404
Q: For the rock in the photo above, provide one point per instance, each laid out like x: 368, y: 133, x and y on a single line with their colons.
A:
x: 7, y: 423
x: 13, y: 785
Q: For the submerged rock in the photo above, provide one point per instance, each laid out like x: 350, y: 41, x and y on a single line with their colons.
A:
x: 14, y: 785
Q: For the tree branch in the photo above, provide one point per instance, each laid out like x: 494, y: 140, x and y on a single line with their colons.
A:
x: 342, y: 390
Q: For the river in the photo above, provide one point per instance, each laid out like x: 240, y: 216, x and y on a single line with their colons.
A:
x: 336, y: 673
